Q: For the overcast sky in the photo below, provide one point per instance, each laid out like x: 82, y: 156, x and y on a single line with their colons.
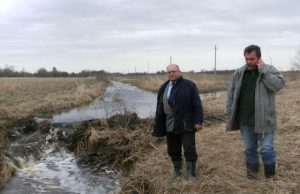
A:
x: 119, y: 35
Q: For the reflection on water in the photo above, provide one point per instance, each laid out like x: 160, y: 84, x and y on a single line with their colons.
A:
x: 118, y: 98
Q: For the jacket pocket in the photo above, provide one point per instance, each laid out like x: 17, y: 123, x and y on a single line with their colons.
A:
x: 270, y: 116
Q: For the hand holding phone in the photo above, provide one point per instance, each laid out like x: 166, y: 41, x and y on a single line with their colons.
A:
x: 260, y: 63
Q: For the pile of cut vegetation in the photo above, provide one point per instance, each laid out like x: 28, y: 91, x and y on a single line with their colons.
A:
x: 117, y: 142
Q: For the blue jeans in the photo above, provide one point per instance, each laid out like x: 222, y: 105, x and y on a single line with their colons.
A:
x: 258, y: 143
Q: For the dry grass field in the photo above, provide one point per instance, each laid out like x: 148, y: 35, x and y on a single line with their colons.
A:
x: 205, y: 82
x: 125, y: 142
x: 21, y: 97
x: 24, y: 97
x: 220, y: 167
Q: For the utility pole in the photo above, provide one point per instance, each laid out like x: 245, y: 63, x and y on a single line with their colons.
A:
x: 170, y: 59
x: 148, y: 67
x: 215, y: 69
x: 135, y: 70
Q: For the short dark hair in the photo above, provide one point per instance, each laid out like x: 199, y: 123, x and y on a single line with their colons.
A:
x: 251, y: 48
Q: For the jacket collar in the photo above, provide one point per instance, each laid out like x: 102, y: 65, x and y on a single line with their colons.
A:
x: 176, y: 82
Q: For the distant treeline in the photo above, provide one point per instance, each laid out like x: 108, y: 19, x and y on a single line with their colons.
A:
x: 9, y: 71
x: 193, y: 72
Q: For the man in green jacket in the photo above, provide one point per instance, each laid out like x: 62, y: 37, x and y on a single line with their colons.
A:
x: 251, y: 108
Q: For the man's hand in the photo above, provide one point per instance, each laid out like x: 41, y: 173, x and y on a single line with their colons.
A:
x: 198, y: 127
x: 260, y: 64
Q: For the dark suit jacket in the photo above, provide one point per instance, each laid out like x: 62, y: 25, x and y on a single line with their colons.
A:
x: 187, y: 108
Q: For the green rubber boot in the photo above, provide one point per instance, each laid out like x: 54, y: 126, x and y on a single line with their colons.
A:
x: 177, y: 165
x: 190, y: 171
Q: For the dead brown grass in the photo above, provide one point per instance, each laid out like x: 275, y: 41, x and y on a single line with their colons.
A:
x: 6, y: 170
x: 205, y: 82
x: 21, y: 97
x: 117, y: 142
x: 220, y: 167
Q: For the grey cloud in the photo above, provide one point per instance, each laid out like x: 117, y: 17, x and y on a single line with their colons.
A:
x: 121, y: 28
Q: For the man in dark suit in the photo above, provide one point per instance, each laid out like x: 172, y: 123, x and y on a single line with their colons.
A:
x: 179, y: 115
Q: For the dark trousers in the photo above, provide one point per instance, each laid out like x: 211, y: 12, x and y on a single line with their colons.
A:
x: 175, y: 142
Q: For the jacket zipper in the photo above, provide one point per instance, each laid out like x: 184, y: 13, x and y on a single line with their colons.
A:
x: 257, y: 83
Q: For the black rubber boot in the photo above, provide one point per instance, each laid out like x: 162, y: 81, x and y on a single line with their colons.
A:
x: 252, y: 170
x: 270, y: 170
x: 190, y: 171
x: 177, y: 165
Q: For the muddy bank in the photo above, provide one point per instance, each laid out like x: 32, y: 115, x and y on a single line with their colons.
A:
x: 117, y: 142
x: 42, y: 157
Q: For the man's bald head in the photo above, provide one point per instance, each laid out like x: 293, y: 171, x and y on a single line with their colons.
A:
x: 173, y: 71
x: 173, y: 66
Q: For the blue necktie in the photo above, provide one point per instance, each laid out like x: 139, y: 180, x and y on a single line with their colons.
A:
x: 171, y: 96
